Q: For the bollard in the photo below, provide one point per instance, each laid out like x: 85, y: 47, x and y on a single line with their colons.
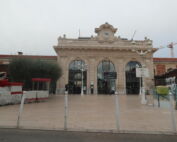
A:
x: 117, y: 112
x: 158, y: 99
x: 173, y: 119
x: 66, y: 111
x: 21, y: 108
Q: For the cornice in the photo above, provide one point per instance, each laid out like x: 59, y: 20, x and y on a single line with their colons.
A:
x: 103, y: 46
x: 110, y: 48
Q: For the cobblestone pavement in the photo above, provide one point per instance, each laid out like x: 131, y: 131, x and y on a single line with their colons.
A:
x: 89, y: 112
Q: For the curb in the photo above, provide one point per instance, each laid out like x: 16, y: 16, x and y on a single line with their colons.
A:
x: 94, y: 131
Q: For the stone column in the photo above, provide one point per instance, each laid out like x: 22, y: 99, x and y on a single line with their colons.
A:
x: 149, y: 81
x: 59, y: 80
x: 121, y: 76
x: 95, y: 77
x: 93, y: 73
x: 62, y: 81
x: 88, y: 75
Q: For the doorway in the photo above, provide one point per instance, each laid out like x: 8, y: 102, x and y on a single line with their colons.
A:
x: 75, y: 77
x: 132, y: 82
x: 105, y: 77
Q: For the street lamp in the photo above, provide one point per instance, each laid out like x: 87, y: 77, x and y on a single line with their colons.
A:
x: 83, y: 67
x: 142, y: 53
x: 138, y: 66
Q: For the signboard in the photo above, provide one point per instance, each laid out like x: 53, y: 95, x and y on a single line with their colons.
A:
x: 142, y: 72
x: 110, y: 75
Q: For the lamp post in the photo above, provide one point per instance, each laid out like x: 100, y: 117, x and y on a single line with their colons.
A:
x: 142, y: 53
x: 138, y: 66
x: 83, y: 67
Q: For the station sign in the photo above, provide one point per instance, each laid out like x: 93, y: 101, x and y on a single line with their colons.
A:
x: 110, y: 75
x: 142, y: 72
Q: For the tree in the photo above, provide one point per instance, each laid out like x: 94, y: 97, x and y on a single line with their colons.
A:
x: 24, y: 69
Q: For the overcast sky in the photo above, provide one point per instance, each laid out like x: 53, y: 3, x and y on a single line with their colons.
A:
x: 33, y: 26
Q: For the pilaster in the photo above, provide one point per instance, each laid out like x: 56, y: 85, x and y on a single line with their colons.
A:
x: 121, y: 76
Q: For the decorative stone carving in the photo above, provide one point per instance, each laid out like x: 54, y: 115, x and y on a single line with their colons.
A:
x: 106, y: 33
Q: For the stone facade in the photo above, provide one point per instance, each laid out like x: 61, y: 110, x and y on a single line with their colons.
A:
x: 104, y: 46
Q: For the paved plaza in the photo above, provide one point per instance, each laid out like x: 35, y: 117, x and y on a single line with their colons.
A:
x: 90, y: 112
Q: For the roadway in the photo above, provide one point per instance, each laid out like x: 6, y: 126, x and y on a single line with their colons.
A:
x: 20, y: 135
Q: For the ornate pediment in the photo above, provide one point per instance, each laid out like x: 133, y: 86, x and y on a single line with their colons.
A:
x: 105, y: 33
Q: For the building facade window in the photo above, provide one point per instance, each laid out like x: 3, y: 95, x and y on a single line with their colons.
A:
x: 132, y: 82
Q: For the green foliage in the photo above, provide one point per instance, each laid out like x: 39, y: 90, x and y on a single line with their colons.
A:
x: 24, y: 69
x: 162, y: 90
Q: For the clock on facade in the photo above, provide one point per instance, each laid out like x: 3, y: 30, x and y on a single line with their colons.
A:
x: 106, y: 34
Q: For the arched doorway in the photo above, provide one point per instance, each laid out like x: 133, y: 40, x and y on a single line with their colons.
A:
x: 132, y: 82
x: 75, y: 77
x: 106, y: 76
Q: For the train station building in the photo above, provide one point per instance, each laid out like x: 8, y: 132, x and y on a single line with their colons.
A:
x: 104, y: 63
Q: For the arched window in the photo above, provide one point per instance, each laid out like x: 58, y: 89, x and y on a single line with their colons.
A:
x: 106, y: 83
x: 75, y: 77
x: 132, y: 82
